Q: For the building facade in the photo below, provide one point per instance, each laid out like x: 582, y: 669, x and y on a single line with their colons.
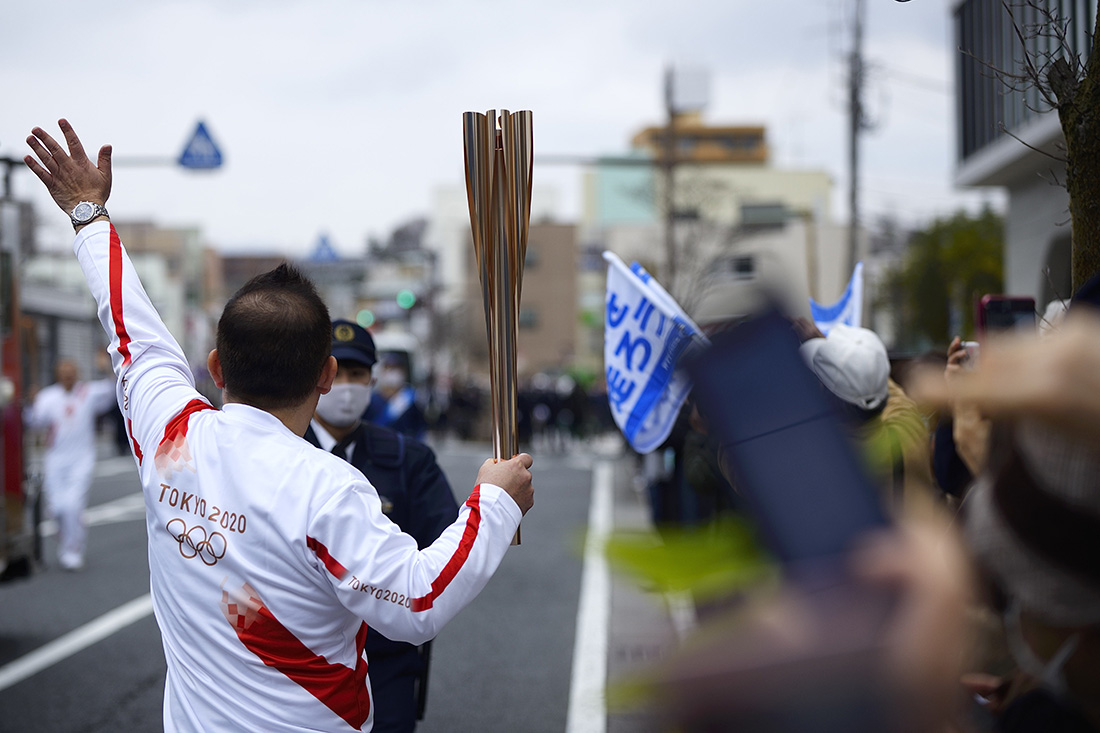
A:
x: 1009, y: 137
x: 730, y: 217
x: 547, y: 310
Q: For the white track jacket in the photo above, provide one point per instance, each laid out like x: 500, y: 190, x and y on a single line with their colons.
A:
x: 70, y: 445
x: 268, y: 556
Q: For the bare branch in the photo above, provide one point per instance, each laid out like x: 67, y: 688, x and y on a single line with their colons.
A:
x: 1052, y: 180
x: 1038, y: 65
x: 1032, y: 72
x: 1008, y: 132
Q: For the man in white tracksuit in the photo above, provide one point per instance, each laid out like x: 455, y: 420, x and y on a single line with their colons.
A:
x: 67, y: 411
x: 268, y: 557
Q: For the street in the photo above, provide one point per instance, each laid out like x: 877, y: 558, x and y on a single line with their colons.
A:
x: 81, y: 651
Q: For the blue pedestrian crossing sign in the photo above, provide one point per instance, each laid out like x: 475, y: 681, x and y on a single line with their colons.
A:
x: 201, y: 153
x: 324, y: 252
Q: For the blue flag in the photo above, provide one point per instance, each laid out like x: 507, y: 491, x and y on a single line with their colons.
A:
x: 848, y: 310
x: 645, y: 333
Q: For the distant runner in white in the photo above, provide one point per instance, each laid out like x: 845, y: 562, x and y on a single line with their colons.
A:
x: 268, y: 557
x: 67, y: 410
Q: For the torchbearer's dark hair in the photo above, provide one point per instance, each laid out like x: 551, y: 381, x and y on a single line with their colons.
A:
x: 274, y: 337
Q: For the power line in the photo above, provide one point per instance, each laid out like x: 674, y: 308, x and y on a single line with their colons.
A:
x: 917, y: 81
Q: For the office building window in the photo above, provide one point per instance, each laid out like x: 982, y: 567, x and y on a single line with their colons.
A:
x: 989, y: 46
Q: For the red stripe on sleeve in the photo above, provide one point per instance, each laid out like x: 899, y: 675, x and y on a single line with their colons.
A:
x: 334, y: 567
x: 450, y: 570
x: 177, y: 426
x: 133, y: 440
x: 115, y: 268
x: 173, y: 452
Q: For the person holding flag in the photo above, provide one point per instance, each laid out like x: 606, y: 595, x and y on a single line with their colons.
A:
x: 646, y: 333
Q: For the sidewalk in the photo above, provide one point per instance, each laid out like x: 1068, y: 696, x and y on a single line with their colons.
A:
x: 642, y: 629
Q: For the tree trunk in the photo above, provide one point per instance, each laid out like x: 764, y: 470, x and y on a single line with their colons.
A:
x: 1079, y: 115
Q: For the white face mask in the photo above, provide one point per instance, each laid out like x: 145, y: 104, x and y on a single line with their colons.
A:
x: 391, y: 378
x: 344, y: 403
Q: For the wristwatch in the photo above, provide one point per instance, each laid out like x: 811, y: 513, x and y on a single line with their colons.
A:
x: 85, y: 211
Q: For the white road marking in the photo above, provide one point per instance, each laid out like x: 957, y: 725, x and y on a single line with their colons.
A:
x: 115, y: 466
x: 125, y: 509
x: 681, y: 611
x: 587, y: 709
x: 75, y: 641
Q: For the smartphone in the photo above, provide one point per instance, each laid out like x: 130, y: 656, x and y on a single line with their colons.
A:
x: 1006, y: 313
x: 972, y: 349
x: 789, y: 452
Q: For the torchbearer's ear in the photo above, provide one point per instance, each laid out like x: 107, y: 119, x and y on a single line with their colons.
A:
x: 214, y: 365
x: 328, y: 374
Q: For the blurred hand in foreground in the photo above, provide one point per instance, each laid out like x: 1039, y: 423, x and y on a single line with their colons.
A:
x: 928, y: 639
x: 1055, y: 379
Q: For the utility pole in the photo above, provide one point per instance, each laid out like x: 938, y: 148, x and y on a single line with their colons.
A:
x: 668, y: 164
x: 856, y: 124
x: 9, y: 163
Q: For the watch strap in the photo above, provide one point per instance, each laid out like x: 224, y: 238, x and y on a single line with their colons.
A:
x: 97, y: 210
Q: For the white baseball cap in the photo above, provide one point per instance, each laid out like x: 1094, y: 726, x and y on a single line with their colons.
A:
x: 852, y: 363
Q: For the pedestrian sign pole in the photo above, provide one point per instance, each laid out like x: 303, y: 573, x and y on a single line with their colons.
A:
x: 200, y: 153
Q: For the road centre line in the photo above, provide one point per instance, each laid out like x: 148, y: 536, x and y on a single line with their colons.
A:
x: 75, y: 641
x: 587, y: 711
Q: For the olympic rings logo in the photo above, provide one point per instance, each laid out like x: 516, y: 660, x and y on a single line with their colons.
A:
x: 195, y: 542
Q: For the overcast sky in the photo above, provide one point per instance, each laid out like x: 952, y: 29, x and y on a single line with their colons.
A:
x: 343, y: 116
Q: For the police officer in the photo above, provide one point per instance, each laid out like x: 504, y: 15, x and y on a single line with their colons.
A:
x: 394, y: 404
x: 414, y: 493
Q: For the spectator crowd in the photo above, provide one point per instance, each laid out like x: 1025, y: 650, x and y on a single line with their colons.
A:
x: 987, y: 462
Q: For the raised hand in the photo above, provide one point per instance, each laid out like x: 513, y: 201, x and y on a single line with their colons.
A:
x: 70, y: 177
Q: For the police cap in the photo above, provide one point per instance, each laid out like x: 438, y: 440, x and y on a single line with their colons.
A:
x: 351, y: 342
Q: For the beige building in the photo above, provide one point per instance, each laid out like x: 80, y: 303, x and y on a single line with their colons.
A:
x: 548, y: 305
x: 179, y: 274
x: 721, y: 172
x: 734, y: 217
x: 189, y: 294
x: 695, y: 142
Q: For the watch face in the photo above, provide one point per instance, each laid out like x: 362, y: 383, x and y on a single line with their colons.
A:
x: 83, y: 211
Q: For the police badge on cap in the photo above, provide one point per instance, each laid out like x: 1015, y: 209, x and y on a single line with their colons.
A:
x: 352, y: 342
